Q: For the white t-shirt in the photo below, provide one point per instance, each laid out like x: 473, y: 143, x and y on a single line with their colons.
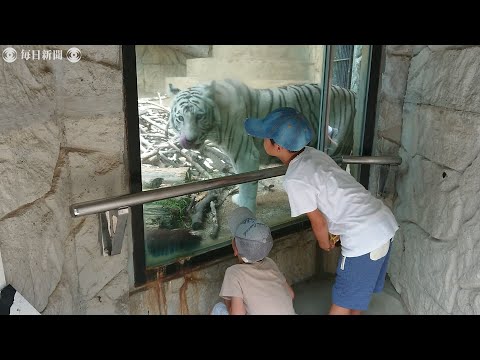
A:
x: 262, y: 287
x: 314, y: 181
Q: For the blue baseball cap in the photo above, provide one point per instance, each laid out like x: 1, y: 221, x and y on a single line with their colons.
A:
x: 286, y: 126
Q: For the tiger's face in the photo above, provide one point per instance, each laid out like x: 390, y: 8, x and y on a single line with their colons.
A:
x: 192, y: 115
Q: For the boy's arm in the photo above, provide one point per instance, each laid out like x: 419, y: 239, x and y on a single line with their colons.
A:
x: 236, y: 306
x: 320, y: 229
x: 228, y: 304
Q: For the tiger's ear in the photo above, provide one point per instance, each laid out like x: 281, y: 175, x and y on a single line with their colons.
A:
x: 173, y: 90
x: 210, y: 90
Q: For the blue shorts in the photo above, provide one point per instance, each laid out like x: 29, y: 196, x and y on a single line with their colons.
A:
x: 357, y: 279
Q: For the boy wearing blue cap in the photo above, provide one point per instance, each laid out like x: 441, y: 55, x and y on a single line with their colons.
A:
x: 255, y: 286
x: 335, y: 203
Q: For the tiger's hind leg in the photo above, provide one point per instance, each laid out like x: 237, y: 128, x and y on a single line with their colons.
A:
x: 247, y: 196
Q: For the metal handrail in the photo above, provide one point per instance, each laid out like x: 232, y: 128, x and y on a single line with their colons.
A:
x: 124, y: 201
x: 372, y: 160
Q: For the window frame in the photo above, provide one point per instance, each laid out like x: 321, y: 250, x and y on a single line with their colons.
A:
x: 142, y: 274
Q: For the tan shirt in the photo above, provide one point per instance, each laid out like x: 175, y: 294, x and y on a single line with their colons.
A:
x: 262, y: 287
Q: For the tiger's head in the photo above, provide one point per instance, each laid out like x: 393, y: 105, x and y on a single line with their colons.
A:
x: 193, y: 114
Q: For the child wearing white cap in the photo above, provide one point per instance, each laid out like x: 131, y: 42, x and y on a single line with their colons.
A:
x: 255, y: 286
x: 334, y: 202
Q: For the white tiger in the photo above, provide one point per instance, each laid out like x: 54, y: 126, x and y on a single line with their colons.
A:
x: 216, y: 111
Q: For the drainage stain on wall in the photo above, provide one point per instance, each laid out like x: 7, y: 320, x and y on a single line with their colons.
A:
x: 183, y: 293
x: 162, y: 298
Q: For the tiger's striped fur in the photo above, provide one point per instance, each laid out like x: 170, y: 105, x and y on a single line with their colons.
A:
x: 216, y: 111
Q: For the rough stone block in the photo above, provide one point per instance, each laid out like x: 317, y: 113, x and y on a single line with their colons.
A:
x: 429, y: 270
x: 447, y: 79
x: 445, y: 136
x: 405, y: 50
x: 96, y: 133
x: 430, y: 199
x: 91, y: 79
x: 394, y: 77
x: 30, y: 148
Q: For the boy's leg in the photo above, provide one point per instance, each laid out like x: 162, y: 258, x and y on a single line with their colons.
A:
x: 357, y: 278
x: 383, y: 271
x: 338, y: 310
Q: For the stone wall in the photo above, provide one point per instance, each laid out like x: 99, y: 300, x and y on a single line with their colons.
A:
x: 429, y: 113
x: 62, y: 141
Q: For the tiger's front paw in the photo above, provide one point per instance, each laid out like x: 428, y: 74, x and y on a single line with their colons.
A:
x: 252, y: 204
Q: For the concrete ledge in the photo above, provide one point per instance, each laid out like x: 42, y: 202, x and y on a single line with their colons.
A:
x: 183, y: 83
x: 286, y: 52
x: 264, y: 69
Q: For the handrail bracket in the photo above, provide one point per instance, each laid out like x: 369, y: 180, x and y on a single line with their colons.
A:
x: 112, y: 230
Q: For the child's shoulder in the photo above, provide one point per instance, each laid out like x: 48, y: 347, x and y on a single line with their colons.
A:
x: 236, y: 270
x: 270, y: 262
x: 235, y: 267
